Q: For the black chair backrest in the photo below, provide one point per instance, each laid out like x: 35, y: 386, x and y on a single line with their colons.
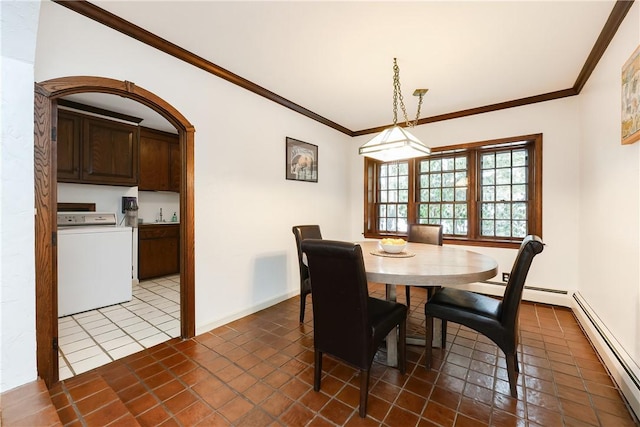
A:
x: 425, y: 233
x: 340, y: 299
x: 529, y: 248
x: 302, y: 232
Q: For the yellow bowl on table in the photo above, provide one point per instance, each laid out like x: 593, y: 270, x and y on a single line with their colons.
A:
x: 393, y: 246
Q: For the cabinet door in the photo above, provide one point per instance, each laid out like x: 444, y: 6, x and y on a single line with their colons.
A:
x: 68, y: 146
x: 176, y: 166
x: 110, y: 152
x: 158, y: 251
x: 158, y: 257
x: 154, y: 161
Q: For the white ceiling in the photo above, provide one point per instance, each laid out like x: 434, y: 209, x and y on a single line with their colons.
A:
x: 335, y: 58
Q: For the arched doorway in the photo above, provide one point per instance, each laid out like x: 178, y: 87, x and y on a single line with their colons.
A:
x: 45, y: 179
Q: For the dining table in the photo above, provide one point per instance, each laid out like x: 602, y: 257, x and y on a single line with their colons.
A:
x: 423, y: 265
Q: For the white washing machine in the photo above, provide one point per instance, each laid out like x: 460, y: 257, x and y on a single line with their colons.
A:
x: 94, y: 262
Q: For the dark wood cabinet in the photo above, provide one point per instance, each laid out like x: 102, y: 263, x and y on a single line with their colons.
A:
x: 176, y: 166
x: 68, y: 146
x: 109, y: 152
x: 159, y: 161
x: 96, y: 151
x: 158, y: 250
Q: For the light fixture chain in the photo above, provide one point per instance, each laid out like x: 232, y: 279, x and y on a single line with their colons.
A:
x: 415, y: 122
x: 397, y: 94
x: 396, y: 91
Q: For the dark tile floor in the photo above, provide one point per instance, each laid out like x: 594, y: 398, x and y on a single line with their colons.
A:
x: 28, y: 405
x: 258, y: 371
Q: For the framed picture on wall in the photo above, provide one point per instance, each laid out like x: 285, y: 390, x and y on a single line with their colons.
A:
x: 631, y: 99
x: 301, y: 161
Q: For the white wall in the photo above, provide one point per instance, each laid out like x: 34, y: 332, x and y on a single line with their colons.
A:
x: 557, y: 267
x: 244, y: 208
x: 108, y: 198
x: 19, y: 21
x: 609, y: 263
x: 245, y: 255
x: 150, y: 203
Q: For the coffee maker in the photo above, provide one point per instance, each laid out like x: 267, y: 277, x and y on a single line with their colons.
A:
x: 130, y: 211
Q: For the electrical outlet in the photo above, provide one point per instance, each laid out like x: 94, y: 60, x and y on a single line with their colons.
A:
x: 505, y: 277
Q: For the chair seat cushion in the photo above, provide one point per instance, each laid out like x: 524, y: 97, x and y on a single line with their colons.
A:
x: 470, y: 301
x: 384, y: 316
x: 475, y: 311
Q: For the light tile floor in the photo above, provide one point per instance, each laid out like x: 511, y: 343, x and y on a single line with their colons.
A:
x: 94, y: 338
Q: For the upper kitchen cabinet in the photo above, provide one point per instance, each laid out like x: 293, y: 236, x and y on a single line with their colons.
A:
x: 96, y: 151
x: 110, y: 152
x: 176, y: 166
x: 159, y: 161
x: 69, y: 126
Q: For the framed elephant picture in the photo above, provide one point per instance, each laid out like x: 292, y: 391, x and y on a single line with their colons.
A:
x: 301, y: 161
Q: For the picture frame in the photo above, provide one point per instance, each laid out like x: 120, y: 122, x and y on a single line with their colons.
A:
x: 301, y: 161
x: 630, y: 119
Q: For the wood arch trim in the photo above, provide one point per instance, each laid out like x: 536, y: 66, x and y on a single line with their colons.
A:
x: 56, y: 88
x: 45, y: 180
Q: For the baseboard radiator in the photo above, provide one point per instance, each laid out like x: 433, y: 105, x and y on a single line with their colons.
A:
x: 531, y: 293
x: 624, y: 370
x: 530, y: 288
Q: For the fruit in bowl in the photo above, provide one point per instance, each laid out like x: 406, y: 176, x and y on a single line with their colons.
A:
x: 393, y: 246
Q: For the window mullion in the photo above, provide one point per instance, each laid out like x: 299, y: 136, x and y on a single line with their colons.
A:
x: 535, y: 187
x: 473, y: 198
x: 413, y: 185
x: 370, y: 196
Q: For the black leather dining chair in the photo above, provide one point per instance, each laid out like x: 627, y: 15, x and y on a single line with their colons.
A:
x: 302, y: 232
x: 494, y: 318
x: 347, y: 323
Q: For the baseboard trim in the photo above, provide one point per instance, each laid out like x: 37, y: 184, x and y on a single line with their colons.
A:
x: 240, y: 314
x: 625, y: 372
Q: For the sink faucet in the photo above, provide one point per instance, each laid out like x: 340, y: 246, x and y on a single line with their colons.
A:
x: 160, y: 215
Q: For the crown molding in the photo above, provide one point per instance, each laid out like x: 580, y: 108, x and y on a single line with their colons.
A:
x: 123, y: 26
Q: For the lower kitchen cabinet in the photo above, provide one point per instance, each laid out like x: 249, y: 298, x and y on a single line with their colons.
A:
x: 158, y: 250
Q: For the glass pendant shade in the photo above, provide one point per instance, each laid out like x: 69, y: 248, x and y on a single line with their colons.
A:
x: 394, y: 143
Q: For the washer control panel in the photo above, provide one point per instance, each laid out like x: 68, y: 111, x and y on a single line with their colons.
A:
x: 86, y: 218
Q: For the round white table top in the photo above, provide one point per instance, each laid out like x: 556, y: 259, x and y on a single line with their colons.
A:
x: 432, y: 265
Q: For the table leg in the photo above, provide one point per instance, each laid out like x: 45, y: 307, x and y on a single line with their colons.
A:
x: 437, y: 334
x: 392, y: 338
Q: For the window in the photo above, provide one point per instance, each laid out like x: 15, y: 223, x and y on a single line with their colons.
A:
x: 487, y: 193
x: 393, y: 196
x: 443, y: 193
x: 503, y: 193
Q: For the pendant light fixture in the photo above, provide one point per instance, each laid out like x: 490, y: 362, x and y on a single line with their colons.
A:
x: 396, y: 143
